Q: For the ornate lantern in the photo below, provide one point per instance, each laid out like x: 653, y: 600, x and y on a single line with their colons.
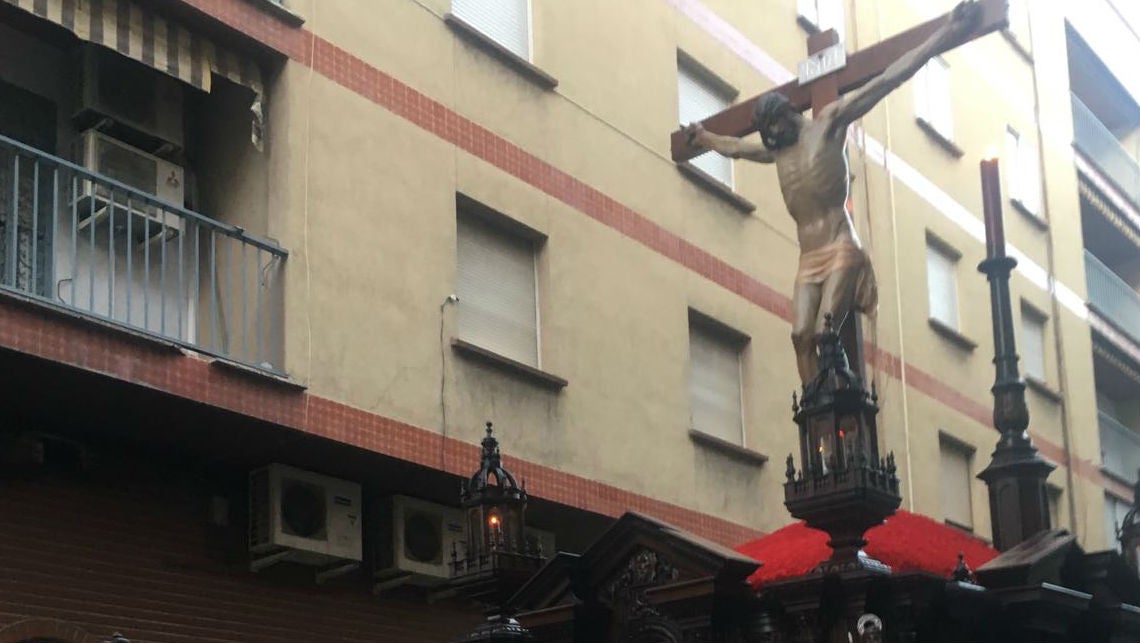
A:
x: 495, y: 505
x: 498, y: 557
x: 844, y: 488
x: 837, y: 415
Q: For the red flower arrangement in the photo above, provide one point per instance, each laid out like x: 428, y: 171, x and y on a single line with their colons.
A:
x: 906, y: 541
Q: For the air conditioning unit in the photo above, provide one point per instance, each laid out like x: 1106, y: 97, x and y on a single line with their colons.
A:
x: 131, y: 94
x: 302, y: 517
x: 96, y: 202
x: 414, y: 541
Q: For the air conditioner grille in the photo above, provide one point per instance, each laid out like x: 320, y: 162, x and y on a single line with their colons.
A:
x: 423, y: 537
x: 126, y: 166
x: 303, y: 511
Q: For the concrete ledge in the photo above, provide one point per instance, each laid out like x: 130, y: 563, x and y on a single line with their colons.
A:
x: 525, y: 68
x: 538, y: 376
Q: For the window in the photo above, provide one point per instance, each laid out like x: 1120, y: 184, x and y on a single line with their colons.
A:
x: 715, y: 398
x: 1119, y: 447
x: 942, y: 284
x: 1023, y: 173
x: 1032, y: 343
x: 932, y: 98
x: 507, y: 22
x: 700, y: 95
x: 496, y: 288
x: 822, y: 15
x: 1114, y: 511
x: 956, y: 482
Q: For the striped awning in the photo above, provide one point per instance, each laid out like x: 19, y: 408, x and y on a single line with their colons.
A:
x: 134, y: 30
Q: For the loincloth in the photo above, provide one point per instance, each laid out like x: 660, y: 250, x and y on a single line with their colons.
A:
x: 819, y: 264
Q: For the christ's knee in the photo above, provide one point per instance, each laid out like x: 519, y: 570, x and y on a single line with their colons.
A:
x: 803, y: 340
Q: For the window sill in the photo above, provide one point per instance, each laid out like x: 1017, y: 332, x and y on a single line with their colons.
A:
x: 1042, y: 389
x: 537, y: 376
x: 279, y: 11
x: 1036, y: 219
x: 939, y: 138
x: 954, y: 336
x: 733, y: 450
x: 263, y: 375
x: 718, y: 189
x: 527, y: 69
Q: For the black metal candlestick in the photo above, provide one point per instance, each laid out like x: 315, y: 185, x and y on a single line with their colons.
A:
x: 1016, y: 473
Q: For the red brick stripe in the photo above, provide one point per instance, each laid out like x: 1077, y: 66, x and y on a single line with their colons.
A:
x: 90, y: 346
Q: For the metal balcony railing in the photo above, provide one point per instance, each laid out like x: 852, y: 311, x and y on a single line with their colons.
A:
x: 1119, y: 447
x: 1112, y: 297
x: 76, y: 239
x: 1098, y: 144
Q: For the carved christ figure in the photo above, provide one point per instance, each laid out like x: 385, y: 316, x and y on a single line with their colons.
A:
x: 835, y: 274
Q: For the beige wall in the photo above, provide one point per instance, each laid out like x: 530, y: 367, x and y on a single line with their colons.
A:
x: 365, y: 202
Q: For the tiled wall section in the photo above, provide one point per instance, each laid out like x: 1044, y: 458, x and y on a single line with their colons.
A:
x: 92, y: 346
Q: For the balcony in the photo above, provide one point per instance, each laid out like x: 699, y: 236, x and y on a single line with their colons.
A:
x: 1112, y: 297
x: 1096, y: 143
x: 1119, y: 448
x: 83, y: 242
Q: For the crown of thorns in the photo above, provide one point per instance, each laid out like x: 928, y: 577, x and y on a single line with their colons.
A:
x: 768, y: 107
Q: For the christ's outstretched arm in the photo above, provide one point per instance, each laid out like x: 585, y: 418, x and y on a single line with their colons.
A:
x: 729, y: 146
x: 855, y: 105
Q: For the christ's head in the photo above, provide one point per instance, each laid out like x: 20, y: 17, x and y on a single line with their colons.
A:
x: 778, y: 122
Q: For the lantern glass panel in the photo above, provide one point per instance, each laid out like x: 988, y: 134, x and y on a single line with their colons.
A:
x: 475, y: 534
x: 494, y: 524
x: 821, y: 435
x: 848, y: 433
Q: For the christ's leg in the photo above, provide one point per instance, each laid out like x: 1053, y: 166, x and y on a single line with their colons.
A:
x: 805, y: 309
x: 838, y: 298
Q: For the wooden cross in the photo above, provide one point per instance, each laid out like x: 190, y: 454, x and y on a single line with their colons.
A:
x: 861, y: 67
x: 821, y: 91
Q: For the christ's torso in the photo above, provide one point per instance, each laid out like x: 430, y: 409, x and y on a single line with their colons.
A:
x: 813, y: 178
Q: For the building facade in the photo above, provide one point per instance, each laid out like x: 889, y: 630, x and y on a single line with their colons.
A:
x: 341, y: 235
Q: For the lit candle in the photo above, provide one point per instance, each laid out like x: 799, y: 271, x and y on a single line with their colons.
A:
x: 991, y: 206
x: 496, y: 530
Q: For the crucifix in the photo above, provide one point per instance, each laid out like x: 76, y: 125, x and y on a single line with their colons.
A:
x: 835, y: 275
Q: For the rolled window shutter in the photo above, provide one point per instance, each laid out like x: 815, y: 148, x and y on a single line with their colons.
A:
x: 1011, y: 163
x: 939, y: 95
x: 831, y: 17
x: 696, y: 100
x: 1114, y: 512
x: 1033, y: 338
x: 714, y: 386
x: 808, y: 10
x: 922, y: 94
x: 507, y: 22
x: 942, y: 287
x: 956, y: 478
x: 496, y: 288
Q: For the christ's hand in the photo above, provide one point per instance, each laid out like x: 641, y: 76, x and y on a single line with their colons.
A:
x: 695, y: 135
x: 963, y: 18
